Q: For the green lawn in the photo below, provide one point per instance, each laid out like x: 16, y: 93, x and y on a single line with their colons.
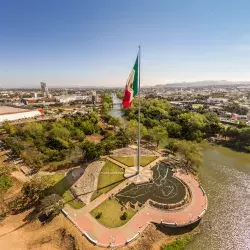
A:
x: 111, y: 175
x: 131, y: 161
x: 61, y: 187
x: 196, y: 106
x: 111, y: 213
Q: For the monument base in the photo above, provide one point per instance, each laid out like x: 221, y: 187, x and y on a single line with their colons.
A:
x: 145, y: 175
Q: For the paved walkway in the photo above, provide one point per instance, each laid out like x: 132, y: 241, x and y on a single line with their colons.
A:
x: 119, y: 236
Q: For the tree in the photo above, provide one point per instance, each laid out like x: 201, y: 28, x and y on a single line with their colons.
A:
x: 9, y: 128
x: 34, y: 130
x: 105, y: 107
x: 158, y: 134
x: 89, y: 128
x: 50, y: 206
x: 78, y: 134
x: 92, y: 150
x: 58, y: 143
x: 239, y: 138
x: 120, y: 94
x: 92, y: 117
x: 174, y: 129
x: 35, y: 189
x: 150, y: 123
x: 148, y: 138
x: 114, y: 121
x: 59, y: 131
x: 5, y: 183
x: 76, y: 155
x: 190, y: 151
x: 109, y: 143
x: 33, y: 158
x: 236, y: 108
x: 212, y: 117
x: 193, y: 125
x: 122, y: 138
x: 213, y: 126
x: 132, y: 130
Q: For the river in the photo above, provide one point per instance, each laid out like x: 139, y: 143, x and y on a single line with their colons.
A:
x: 225, y: 176
x: 116, y: 109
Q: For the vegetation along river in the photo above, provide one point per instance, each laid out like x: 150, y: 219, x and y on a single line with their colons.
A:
x: 225, y: 176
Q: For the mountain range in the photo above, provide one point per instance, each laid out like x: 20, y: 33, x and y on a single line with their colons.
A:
x: 203, y: 83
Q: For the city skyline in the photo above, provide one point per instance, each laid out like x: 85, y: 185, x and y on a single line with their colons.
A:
x: 95, y: 44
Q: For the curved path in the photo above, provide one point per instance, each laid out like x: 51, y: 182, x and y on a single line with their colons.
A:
x: 120, y: 236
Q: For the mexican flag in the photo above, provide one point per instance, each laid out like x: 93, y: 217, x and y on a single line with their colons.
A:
x: 132, y: 86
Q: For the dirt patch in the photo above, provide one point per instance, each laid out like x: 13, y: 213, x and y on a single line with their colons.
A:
x: 59, y: 239
x: 59, y: 234
x: 20, y: 176
x: 131, y: 151
x: 87, y: 183
x: 95, y: 138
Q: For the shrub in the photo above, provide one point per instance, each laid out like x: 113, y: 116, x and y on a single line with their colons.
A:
x: 5, y: 183
x: 124, y: 216
x: 179, y: 244
x: 99, y: 215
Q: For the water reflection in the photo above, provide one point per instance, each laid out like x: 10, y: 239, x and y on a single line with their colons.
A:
x: 226, y: 178
x: 116, y: 109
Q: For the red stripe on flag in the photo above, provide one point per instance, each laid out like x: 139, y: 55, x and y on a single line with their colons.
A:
x: 126, y: 103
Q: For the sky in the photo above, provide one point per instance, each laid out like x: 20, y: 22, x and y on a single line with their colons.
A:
x: 94, y: 43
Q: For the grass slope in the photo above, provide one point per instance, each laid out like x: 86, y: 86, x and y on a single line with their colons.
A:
x: 111, y: 213
x: 178, y: 244
x: 131, y: 161
x: 61, y: 187
x: 111, y: 175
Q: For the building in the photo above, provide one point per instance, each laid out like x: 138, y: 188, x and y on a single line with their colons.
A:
x: 239, y: 117
x: 44, y: 89
x: 38, y: 101
x: 71, y: 98
x: 34, y: 95
x: 10, y: 113
x: 217, y: 100
x: 94, y: 97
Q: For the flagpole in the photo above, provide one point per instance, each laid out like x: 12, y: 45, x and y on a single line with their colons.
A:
x: 139, y: 111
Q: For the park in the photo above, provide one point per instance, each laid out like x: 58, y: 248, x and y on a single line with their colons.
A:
x: 117, y: 207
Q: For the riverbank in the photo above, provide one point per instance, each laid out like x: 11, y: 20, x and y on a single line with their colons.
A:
x: 227, y: 143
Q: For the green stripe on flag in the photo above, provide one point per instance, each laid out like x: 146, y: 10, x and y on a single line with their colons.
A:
x: 135, y: 82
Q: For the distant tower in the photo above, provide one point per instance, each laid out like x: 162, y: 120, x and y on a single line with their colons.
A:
x: 94, y: 97
x: 44, y: 89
